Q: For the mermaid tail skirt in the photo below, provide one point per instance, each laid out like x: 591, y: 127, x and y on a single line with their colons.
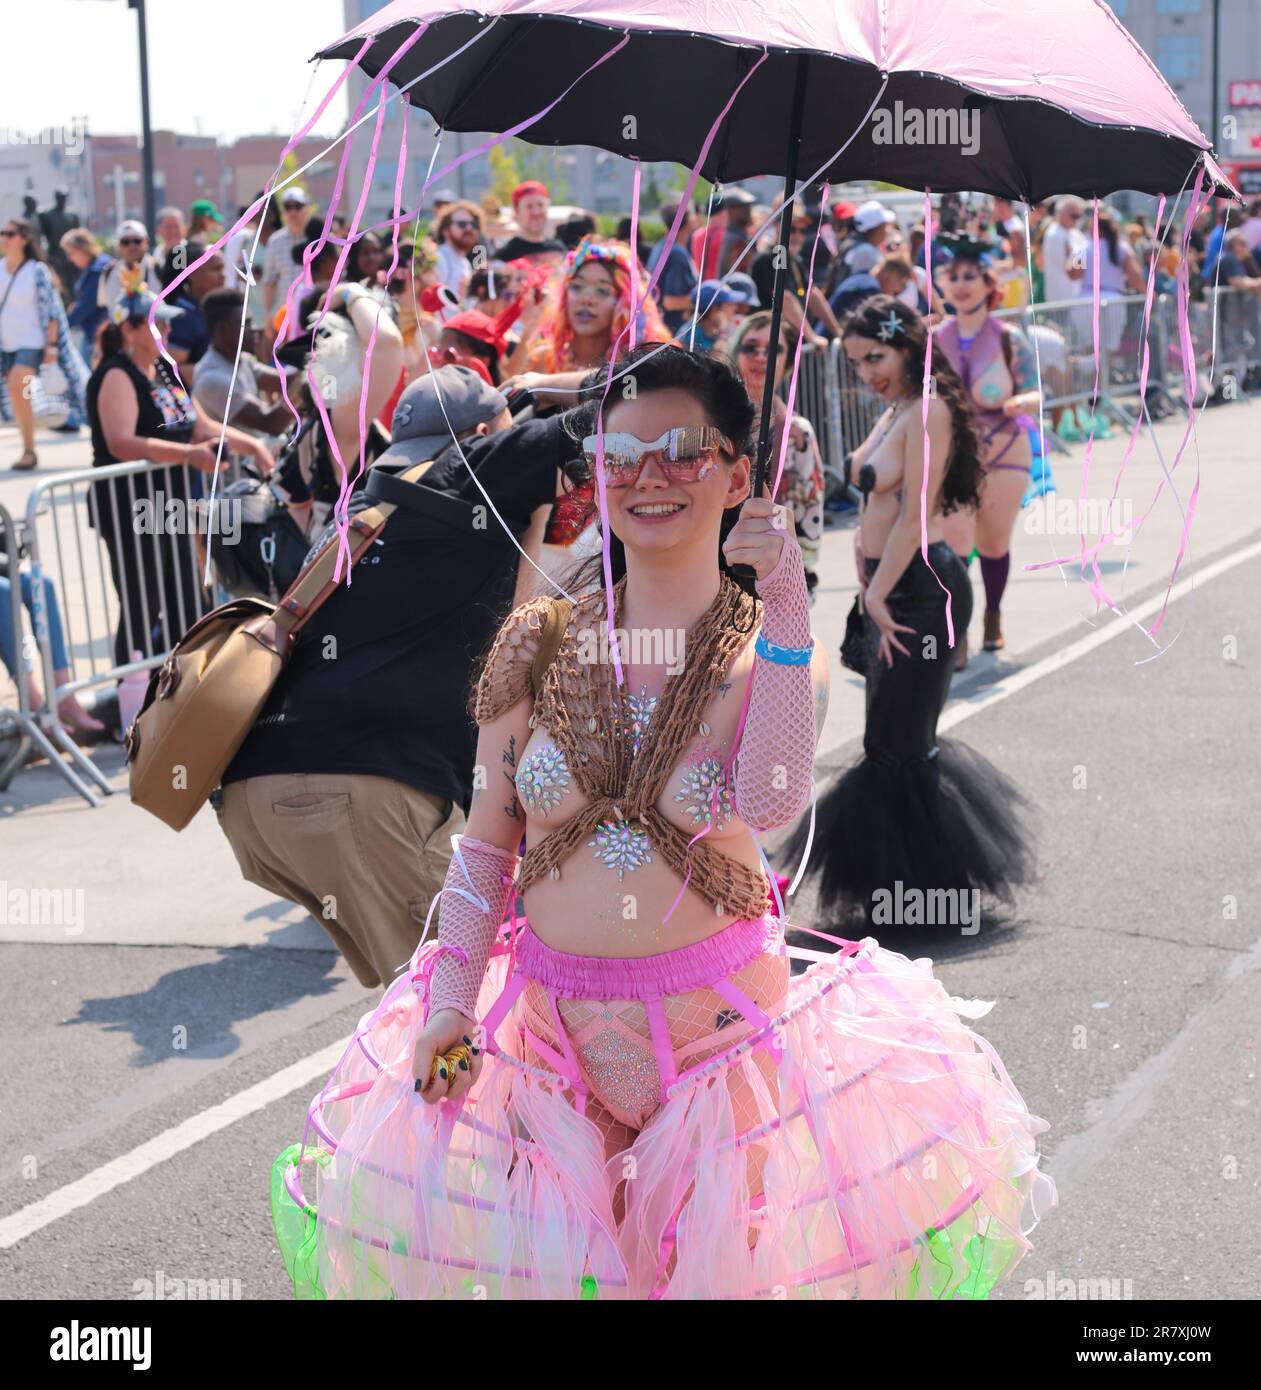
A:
x: 698, y: 1124
x: 915, y: 812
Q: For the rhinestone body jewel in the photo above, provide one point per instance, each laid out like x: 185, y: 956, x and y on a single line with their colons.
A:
x: 621, y: 845
x: 542, y: 780
x: 624, y: 1069
x: 639, y: 708
x: 700, y: 783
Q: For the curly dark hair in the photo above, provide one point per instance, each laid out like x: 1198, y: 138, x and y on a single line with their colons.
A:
x: 721, y: 394
x: 962, y: 484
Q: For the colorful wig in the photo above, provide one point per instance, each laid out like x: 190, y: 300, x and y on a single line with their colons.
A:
x: 552, y: 350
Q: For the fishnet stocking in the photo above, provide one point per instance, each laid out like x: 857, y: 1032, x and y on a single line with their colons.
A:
x: 612, y: 1041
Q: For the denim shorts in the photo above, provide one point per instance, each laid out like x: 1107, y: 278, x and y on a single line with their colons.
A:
x: 21, y: 357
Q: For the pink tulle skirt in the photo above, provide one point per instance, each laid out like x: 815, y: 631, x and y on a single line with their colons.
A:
x: 698, y: 1124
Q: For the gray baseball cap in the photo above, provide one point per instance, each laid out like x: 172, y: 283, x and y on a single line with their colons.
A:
x: 420, y: 430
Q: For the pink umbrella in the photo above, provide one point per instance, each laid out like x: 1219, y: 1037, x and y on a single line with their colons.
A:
x: 1022, y: 100
x: 1040, y: 97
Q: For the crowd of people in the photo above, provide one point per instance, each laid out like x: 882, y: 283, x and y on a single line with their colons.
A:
x: 460, y: 743
x: 527, y: 300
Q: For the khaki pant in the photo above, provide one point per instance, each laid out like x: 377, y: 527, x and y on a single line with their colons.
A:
x: 364, y: 855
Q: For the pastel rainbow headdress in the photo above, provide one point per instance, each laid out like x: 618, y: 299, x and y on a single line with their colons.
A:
x: 617, y: 256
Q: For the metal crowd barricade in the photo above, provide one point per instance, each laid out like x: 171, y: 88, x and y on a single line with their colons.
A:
x: 1238, y: 333
x: 16, y: 725
x: 818, y: 399
x: 843, y: 412
x: 83, y: 527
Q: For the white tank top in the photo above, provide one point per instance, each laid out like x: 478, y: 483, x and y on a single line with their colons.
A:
x: 19, y: 324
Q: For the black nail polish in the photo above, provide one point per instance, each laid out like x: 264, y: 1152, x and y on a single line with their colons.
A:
x: 463, y: 1064
x: 468, y: 1040
x: 417, y: 1088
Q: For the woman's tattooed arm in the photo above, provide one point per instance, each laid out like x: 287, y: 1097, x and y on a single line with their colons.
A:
x: 513, y: 809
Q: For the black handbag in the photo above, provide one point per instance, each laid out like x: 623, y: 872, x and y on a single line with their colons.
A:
x: 269, y: 553
x: 854, y: 650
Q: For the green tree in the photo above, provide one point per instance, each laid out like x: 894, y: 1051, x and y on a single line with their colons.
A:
x: 504, y: 171
x: 287, y: 171
x: 678, y: 182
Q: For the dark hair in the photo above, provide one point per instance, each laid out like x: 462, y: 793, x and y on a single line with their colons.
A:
x: 477, y: 348
x: 961, y: 485
x: 353, y: 269
x: 29, y: 239
x: 623, y: 234
x: 570, y: 233
x: 1108, y: 232
x: 312, y: 232
x: 222, y: 306
x: 109, y: 336
x: 715, y: 386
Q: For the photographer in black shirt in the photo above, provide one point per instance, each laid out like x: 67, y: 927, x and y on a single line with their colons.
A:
x: 346, y: 793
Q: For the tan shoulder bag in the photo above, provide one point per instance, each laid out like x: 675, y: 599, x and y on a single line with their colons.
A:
x: 203, y: 701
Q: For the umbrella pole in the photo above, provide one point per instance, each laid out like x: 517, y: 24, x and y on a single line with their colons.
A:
x: 777, y: 295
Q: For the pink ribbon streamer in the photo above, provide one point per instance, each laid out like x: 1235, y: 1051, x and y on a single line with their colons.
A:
x: 928, y: 376
x: 671, y: 237
x: 634, y: 250
x: 1094, y: 399
x: 1199, y: 199
x: 796, y: 367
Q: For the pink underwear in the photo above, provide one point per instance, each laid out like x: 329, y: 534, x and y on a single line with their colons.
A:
x: 623, y: 1031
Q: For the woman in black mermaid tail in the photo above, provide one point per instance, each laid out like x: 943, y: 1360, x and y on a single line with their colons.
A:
x: 915, y: 812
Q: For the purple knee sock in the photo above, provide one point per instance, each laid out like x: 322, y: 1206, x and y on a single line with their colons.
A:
x: 994, y: 575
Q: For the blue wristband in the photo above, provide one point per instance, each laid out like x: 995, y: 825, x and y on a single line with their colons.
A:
x: 783, y: 656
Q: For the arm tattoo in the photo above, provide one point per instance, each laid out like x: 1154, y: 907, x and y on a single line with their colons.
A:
x: 513, y: 809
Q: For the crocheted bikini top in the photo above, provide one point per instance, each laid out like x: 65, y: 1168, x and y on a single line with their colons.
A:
x: 582, y: 708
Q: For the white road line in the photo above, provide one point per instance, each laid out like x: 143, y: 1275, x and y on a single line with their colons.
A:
x: 315, y: 1068
x: 1118, y: 626
x: 310, y: 1071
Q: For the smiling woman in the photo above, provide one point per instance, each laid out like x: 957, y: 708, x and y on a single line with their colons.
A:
x: 591, y: 309
x: 635, y: 1097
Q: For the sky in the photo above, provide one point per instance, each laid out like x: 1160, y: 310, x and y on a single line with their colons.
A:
x: 228, y: 68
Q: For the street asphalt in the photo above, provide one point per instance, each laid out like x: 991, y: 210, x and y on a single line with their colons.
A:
x: 1125, y: 979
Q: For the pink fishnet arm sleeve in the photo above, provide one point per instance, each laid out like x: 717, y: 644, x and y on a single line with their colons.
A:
x: 776, y: 757
x: 478, y: 872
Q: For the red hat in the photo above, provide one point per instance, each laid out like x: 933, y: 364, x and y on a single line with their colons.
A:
x: 441, y: 357
x: 844, y: 211
x: 524, y: 190
x: 476, y: 325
